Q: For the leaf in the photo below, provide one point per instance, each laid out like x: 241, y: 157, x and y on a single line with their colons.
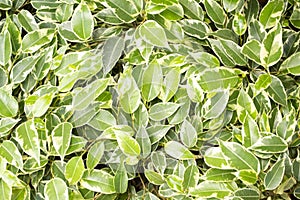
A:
x: 219, y: 175
x: 9, y: 105
x: 239, y: 157
x: 239, y: 24
x: 247, y: 194
x: 291, y: 64
x: 154, y: 177
x: 94, y: 155
x: 82, y: 21
x: 5, y: 189
x: 161, y: 111
x: 98, y: 181
x: 128, y: 144
x: 27, y: 21
x: 27, y: 137
x: 173, y: 12
x: 34, y: 40
x: 42, y: 104
x: 125, y: 10
x: 250, y: 132
x: 271, y: 13
x: 10, y: 152
x: 234, y: 52
x: 192, y: 9
x: 102, y: 120
x: 178, y: 151
x: 144, y: 141
x: 214, y: 158
x: 206, y: 59
x: 276, y: 91
x: 6, y: 124
x: 112, y: 51
x: 153, y: 33
x: 61, y: 138
x: 170, y: 86
x: 248, y: 177
x: 5, y: 43
x: 256, y: 31
x: 74, y: 170
x: 275, y: 175
x: 215, y: 106
x: 207, y: 189
x: 245, y: 106
x: 22, y: 68
x: 152, y: 81
x: 157, y: 132
x: 230, y: 5
x: 294, y: 19
x: 219, y: 49
x: 252, y: 49
x: 215, y: 12
x: 218, y: 78
x: 121, y: 179
x: 270, y: 144
x: 263, y: 82
x: 190, y: 177
x: 188, y: 134
x: 85, y: 96
x: 56, y: 189
x: 195, y: 28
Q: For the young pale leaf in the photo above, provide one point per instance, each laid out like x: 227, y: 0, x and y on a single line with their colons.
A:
x: 28, y: 138
x: 22, y: 68
x: 215, y: 12
x: 239, y: 24
x: 6, y: 46
x: 94, y: 155
x: 188, y: 134
x: 178, y: 151
x: 214, y: 157
x: 121, y: 179
x: 190, y: 177
x: 102, y: 120
x: 270, y: 144
x: 263, y: 82
x: 250, y: 132
x: 161, y: 111
x: 128, y: 144
x: 34, y: 40
x: 239, y: 157
x: 82, y: 21
x: 8, y: 104
x: 207, y: 189
x: 252, y: 49
x: 5, y: 188
x: 56, y: 189
x: 98, y: 181
x: 41, y: 105
x: 245, y: 106
x: 61, y: 138
x: 112, y: 51
x: 153, y: 33
x: 142, y: 137
x: 195, y: 28
x: 215, y: 106
x: 74, y: 170
x: 230, y: 5
x: 10, y: 152
x: 275, y: 175
x: 170, y: 85
x: 6, y: 124
x: 271, y: 13
x: 277, y: 91
x: 152, y: 81
x: 218, y: 78
x: 292, y: 64
x: 272, y: 47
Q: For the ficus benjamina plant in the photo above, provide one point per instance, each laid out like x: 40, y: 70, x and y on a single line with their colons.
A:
x: 149, y: 99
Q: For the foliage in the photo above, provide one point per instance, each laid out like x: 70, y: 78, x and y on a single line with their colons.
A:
x: 149, y: 99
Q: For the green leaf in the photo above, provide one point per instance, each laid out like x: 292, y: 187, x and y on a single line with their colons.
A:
x: 74, y: 170
x: 206, y: 59
x: 154, y: 177
x: 207, y: 189
x: 9, y: 105
x: 102, y: 120
x: 270, y: 144
x: 239, y: 157
x: 5, y: 44
x: 152, y: 81
x: 195, y: 28
x: 94, y: 155
x: 22, y: 68
x: 173, y: 12
x: 214, y: 157
x: 230, y: 5
x: 153, y: 33
x: 125, y: 10
x: 256, y: 31
x: 82, y: 21
x: 27, y: 21
x: 295, y: 17
x: 6, y: 124
x: 5, y: 189
x: 42, y: 104
x: 291, y: 64
x: 61, y: 138
x: 263, y: 82
x: 188, y: 134
x: 218, y: 78
x: 170, y: 85
x: 34, y: 40
x: 276, y: 91
x: 10, y: 152
x: 215, y: 106
x: 271, y: 13
x: 161, y: 111
x: 178, y: 151
x: 247, y: 194
x: 112, y: 51
x: 192, y: 9
x: 85, y: 96
x: 234, y: 52
x: 275, y: 175
x: 142, y: 137
x: 219, y: 49
x: 98, y: 181
x: 56, y: 189
x: 128, y: 144
x: 248, y: 177
x: 252, y: 49
x: 239, y: 24
x: 121, y: 179
x: 250, y: 132
x: 190, y: 177
x: 245, y: 106
x: 215, y: 12
x: 27, y: 137
x: 219, y: 175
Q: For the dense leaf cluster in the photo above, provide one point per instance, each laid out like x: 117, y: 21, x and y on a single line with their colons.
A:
x: 149, y: 99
